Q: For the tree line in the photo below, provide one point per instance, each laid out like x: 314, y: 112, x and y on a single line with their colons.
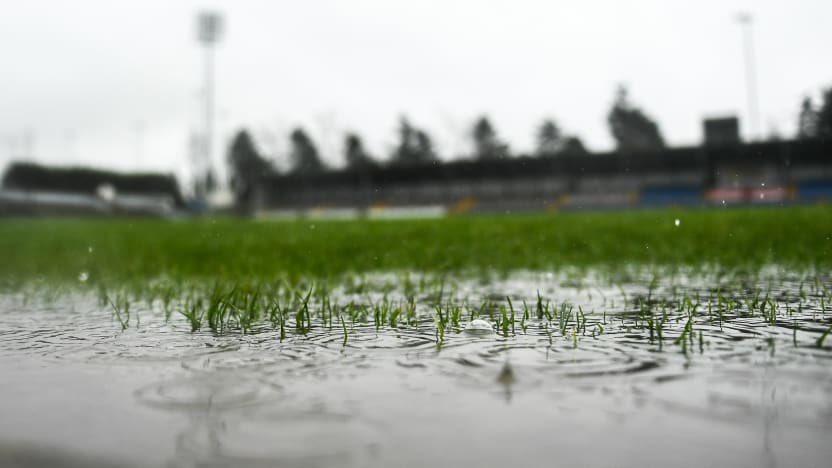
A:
x: 631, y: 128
x: 815, y: 120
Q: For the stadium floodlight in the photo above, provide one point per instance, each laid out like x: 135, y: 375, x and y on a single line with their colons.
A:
x: 209, y: 32
x: 209, y: 27
x: 746, y: 22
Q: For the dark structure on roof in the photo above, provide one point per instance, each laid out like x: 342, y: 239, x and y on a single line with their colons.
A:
x: 721, y: 131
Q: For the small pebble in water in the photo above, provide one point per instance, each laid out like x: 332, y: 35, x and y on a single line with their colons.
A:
x: 83, y: 276
x: 479, y: 327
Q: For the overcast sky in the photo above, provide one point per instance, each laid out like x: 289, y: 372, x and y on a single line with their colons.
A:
x: 118, y: 84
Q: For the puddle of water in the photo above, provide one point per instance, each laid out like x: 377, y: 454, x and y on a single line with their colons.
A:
x: 734, y: 385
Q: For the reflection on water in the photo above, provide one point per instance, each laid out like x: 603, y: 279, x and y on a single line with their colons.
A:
x: 713, y: 387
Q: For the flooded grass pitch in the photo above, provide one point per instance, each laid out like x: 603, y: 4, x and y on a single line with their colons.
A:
x: 649, y: 367
x: 660, y: 337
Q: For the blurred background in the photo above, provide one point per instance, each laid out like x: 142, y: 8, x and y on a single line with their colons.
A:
x: 368, y: 106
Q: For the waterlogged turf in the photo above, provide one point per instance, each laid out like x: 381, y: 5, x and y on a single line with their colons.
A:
x: 138, y: 250
x: 653, y: 338
x: 640, y: 366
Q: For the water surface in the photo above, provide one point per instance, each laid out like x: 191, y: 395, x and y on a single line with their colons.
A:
x: 747, y: 388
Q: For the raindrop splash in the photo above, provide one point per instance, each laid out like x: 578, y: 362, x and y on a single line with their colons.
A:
x: 479, y: 327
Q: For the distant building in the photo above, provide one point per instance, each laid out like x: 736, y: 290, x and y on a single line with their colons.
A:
x: 30, y: 189
x: 721, y: 174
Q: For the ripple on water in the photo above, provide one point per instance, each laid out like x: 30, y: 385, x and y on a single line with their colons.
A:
x: 217, y: 392
x: 284, y: 439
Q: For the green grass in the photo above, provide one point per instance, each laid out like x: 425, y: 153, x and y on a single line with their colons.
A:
x: 675, y: 318
x: 297, y: 279
x: 137, y: 249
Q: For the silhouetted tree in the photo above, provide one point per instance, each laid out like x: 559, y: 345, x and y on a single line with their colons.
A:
x: 807, y: 121
x: 414, y: 146
x: 303, y: 153
x: 354, y: 153
x: 486, y: 143
x: 245, y: 167
x: 573, y: 146
x: 549, y: 139
x: 424, y: 146
x: 631, y: 128
x: 824, y: 116
x: 210, y: 181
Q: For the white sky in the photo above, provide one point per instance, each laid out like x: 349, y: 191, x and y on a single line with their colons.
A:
x: 117, y: 84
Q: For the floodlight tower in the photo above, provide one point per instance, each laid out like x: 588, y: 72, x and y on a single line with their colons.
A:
x: 209, y: 30
x: 746, y: 22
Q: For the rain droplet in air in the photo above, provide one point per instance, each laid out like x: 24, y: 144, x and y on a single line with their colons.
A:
x: 83, y: 276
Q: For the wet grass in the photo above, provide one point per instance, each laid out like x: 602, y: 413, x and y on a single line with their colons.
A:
x: 120, y: 251
x: 296, y: 278
x: 663, y: 317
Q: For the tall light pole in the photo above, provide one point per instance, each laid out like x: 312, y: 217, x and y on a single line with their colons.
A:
x: 209, y: 30
x: 746, y: 22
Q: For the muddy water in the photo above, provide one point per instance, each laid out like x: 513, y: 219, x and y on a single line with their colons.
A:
x: 76, y: 390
